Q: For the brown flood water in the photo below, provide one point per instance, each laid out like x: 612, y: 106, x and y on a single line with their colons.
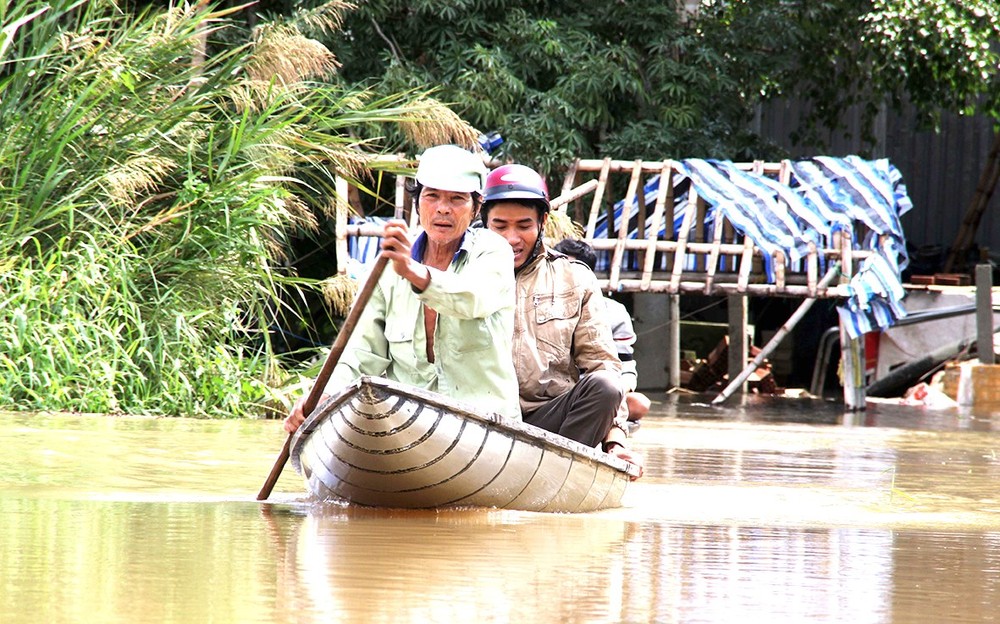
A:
x: 776, y: 511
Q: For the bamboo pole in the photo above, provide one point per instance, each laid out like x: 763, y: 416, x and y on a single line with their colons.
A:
x: 984, y: 314
x: 664, y: 192
x: 776, y: 339
x: 339, y: 344
x: 619, y: 250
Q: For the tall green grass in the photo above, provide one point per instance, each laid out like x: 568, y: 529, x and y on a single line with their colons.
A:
x: 152, y: 169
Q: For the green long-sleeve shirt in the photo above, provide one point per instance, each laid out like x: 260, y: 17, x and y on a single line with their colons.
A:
x: 474, y: 299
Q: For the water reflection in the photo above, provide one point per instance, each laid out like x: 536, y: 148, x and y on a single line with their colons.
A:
x: 721, y: 573
x: 884, y: 413
x: 372, y: 565
x: 100, y: 561
x: 788, y: 511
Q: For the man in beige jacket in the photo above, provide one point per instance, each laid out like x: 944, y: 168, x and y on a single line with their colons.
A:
x: 622, y: 331
x: 568, y: 371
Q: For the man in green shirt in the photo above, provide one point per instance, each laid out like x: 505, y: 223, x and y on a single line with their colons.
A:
x: 442, y: 320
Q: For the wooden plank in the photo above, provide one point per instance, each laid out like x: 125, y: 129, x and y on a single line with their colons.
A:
x: 363, y: 229
x: 617, y: 166
x: 761, y: 168
x: 673, y: 342
x: 713, y: 255
x: 732, y: 249
x: 697, y: 287
x: 640, y: 232
x: 739, y: 347
x: 812, y: 268
x: 785, y: 172
x: 746, y: 263
x: 729, y: 233
x: 570, y: 180
x: 664, y: 194
x: 572, y: 195
x: 699, y: 232
x: 595, y: 207
x: 682, y: 237
x: 400, y: 206
x: 846, y: 257
x: 619, y: 252
x: 341, y: 209
x: 852, y: 365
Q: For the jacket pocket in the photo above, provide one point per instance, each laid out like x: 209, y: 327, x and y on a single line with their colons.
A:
x: 558, y: 307
x: 556, y: 317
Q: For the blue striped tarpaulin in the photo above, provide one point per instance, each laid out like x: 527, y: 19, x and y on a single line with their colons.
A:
x: 681, y: 185
x: 871, y: 192
x: 365, y: 249
x: 825, y: 195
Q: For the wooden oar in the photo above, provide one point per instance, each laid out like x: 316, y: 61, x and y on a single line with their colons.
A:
x: 324, y: 374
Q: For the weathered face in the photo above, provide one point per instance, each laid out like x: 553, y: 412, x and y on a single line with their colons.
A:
x: 517, y: 223
x: 444, y: 215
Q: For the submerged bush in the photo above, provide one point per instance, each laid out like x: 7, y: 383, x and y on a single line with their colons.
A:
x: 151, y: 172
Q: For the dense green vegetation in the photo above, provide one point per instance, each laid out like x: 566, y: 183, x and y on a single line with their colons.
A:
x: 592, y: 78
x: 153, y: 168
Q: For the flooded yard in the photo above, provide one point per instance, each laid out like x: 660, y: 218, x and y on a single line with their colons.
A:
x: 776, y: 510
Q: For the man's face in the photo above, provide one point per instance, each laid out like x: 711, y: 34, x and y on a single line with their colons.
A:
x: 444, y: 215
x: 518, y: 224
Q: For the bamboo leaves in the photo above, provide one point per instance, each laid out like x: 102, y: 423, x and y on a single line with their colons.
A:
x: 152, y: 171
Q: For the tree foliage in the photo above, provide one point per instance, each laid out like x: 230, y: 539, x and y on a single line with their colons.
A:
x: 153, y: 168
x: 628, y: 78
x: 935, y: 55
x: 559, y: 79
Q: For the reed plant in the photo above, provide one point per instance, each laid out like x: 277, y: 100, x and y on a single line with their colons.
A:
x: 153, y: 167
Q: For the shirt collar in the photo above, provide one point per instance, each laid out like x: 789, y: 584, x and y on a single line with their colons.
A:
x: 420, y: 245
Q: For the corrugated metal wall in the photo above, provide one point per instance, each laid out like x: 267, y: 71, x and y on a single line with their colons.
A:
x: 940, y: 170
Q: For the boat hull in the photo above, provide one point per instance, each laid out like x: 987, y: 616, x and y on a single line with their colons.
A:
x: 383, y: 444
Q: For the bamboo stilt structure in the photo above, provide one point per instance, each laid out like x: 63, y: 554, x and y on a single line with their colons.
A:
x: 684, y: 247
x: 776, y: 339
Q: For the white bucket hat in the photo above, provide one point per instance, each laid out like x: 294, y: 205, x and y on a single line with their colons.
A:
x: 451, y: 168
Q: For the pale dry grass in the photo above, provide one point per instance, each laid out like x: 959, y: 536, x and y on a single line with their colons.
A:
x: 127, y: 182
x: 339, y: 292
x: 433, y: 123
x: 282, y: 54
x: 560, y: 226
x: 327, y: 18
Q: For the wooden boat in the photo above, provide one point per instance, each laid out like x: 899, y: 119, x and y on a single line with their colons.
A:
x: 385, y: 444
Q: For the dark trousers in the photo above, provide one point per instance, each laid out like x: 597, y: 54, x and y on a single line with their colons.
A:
x: 583, y: 413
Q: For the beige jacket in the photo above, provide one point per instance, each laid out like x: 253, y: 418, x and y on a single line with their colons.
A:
x: 561, y: 328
